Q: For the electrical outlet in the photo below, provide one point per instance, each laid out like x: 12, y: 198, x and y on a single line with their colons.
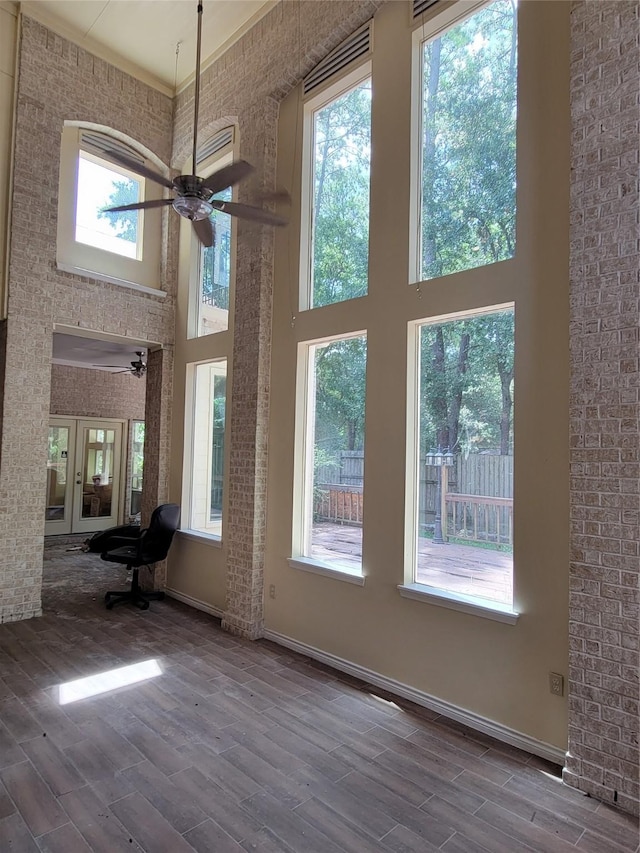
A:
x: 556, y: 684
x: 272, y: 590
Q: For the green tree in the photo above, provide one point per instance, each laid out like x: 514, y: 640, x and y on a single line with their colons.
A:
x: 466, y: 370
x: 340, y: 370
x: 341, y: 197
x: 125, y: 222
x: 468, y: 145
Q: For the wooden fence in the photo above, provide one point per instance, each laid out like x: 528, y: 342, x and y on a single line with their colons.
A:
x: 477, y: 503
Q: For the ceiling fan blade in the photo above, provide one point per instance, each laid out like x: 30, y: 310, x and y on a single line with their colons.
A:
x: 141, y: 205
x: 204, y: 231
x: 140, y: 169
x: 227, y: 176
x: 277, y: 196
x: 246, y: 211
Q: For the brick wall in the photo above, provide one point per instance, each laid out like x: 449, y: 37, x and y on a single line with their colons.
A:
x: 96, y: 393
x: 603, y: 757
x: 59, y: 81
x: 245, y: 86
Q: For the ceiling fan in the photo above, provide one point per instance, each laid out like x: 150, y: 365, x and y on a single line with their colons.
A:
x: 195, y: 197
x: 138, y: 368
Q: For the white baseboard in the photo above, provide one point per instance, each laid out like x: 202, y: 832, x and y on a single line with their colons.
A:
x: 453, y: 712
x: 194, y: 602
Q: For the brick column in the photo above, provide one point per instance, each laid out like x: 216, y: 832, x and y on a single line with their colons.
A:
x: 603, y: 756
x: 157, y: 447
x: 250, y: 395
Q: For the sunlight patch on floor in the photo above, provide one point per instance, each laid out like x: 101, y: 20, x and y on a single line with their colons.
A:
x: 104, y: 682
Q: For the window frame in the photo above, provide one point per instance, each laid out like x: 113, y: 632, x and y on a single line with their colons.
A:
x: 437, y: 25
x: 411, y: 588
x: 189, y: 452
x: 72, y: 256
x: 320, y: 98
x: 303, y: 478
x: 224, y: 157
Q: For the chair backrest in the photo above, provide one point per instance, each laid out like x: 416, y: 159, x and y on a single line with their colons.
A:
x: 157, y: 538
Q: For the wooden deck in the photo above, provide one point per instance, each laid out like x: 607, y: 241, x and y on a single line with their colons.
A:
x: 457, y: 568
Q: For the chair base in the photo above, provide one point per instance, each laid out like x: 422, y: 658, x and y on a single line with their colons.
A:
x: 135, y: 595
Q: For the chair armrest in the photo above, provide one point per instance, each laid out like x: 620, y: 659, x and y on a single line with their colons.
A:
x: 121, y: 541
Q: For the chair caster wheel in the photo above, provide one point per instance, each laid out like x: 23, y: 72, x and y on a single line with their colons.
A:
x: 110, y: 605
x: 107, y: 597
x: 143, y: 605
x: 160, y: 596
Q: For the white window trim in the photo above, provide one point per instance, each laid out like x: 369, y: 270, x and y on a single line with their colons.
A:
x: 304, y: 461
x: 410, y: 588
x: 485, y: 608
x: 199, y: 536
x: 315, y: 103
x: 90, y: 261
x: 315, y: 567
x: 141, y: 288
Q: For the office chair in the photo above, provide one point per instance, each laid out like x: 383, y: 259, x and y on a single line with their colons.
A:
x: 141, y: 547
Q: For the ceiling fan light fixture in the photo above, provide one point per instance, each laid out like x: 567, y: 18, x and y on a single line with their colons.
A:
x: 192, y: 208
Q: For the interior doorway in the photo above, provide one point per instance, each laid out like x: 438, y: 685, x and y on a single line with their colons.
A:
x: 84, y: 475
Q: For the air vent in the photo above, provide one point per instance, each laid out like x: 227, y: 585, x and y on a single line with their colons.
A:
x: 420, y: 6
x: 215, y: 144
x: 356, y: 46
x: 107, y: 145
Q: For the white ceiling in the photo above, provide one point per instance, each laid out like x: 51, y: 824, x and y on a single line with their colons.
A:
x: 81, y: 351
x: 140, y: 36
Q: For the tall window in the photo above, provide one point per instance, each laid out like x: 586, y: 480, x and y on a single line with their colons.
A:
x: 214, y: 274
x: 206, y: 465
x: 210, y: 269
x: 464, y: 540
x: 338, y: 257
x: 334, y: 453
x: 468, y: 144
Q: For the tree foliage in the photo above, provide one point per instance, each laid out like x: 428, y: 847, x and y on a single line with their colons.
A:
x: 125, y: 222
x: 341, y: 197
x: 466, y: 384
x: 340, y: 374
x: 469, y: 142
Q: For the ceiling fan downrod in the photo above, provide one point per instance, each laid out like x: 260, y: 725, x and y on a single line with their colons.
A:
x: 197, y: 89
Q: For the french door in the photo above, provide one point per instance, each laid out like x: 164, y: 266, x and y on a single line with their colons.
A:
x: 84, y: 473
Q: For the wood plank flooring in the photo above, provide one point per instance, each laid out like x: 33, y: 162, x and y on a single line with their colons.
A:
x: 239, y: 746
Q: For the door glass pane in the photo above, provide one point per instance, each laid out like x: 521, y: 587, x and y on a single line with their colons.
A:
x: 57, y: 462
x: 98, y: 473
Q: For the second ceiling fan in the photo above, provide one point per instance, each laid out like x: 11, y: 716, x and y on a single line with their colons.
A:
x: 194, y: 199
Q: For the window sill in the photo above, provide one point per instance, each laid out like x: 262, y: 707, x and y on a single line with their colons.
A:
x: 344, y: 574
x: 199, y: 536
x: 463, y: 603
x: 121, y: 282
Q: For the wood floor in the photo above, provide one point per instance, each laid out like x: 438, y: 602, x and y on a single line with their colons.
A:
x: 239, y: 746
